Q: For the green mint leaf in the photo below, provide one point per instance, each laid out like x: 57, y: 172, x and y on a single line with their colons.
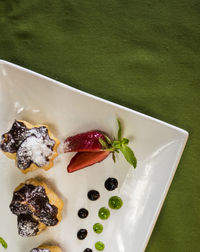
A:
x: 103, y: 143
x: 116, y: 145
x: 113, y: 157
x: 129, y: 155
x: 116, y: 142
x: 119, y: 135
x: 125, y: 141
x: 108, y: 139
x: 3, y: 242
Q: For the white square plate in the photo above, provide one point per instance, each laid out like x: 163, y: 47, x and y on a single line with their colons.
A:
x: 158, y: 147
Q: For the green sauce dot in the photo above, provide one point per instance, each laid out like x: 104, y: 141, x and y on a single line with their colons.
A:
x: 115, y: 202
x: 98, y: 228
x: 104, y: 213
x: 99, y: 246
x: 3, y: 243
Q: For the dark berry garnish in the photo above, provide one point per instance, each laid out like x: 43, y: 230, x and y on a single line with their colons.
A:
x: 93, y: 195
x: 111, y: 184
x: 83, y: 213
x: 87, y: 250
x: 82, y: 233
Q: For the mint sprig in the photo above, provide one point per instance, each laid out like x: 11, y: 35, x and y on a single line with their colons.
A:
x: 129, y: 155
x: 3, y: 243
x: 119, y: 134
x: 121, y: 144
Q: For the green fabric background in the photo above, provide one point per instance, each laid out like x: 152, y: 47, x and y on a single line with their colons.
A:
x: 142, y: 54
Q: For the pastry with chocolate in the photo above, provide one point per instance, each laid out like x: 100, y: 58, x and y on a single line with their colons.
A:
x: 46, y: 248
x: 32, y: 146
x: 36, y: 207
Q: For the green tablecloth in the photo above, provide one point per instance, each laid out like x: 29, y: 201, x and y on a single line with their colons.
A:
x: 141, y: 54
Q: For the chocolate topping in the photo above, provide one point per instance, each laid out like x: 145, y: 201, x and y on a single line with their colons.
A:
x: 31, y: 201
x: 31, y: 145
x: 12, y: 139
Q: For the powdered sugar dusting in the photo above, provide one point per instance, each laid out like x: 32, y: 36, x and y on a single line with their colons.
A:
x: 35, y: 149
x: 27, y: 226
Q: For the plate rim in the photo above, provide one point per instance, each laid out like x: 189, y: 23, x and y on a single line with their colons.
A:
x: 61, y: 84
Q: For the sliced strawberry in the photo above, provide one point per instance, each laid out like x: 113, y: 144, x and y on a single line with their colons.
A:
x: 94, y: 146
x: 84, y: 159
x: 86, y: 142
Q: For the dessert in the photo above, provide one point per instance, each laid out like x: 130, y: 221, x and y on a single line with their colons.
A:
x: 46, y: 248
x: 32, y: 146
x: 94, y: 146
x: 36, y: 207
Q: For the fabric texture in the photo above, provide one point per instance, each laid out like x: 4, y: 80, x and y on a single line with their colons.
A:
x: 141, y: 54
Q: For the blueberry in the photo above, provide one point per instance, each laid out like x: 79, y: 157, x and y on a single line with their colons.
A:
x: 82, y: 233
x: 87, y: 250
x: 111, y: 184
x: 93, y: 195
x: 83, y: 213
